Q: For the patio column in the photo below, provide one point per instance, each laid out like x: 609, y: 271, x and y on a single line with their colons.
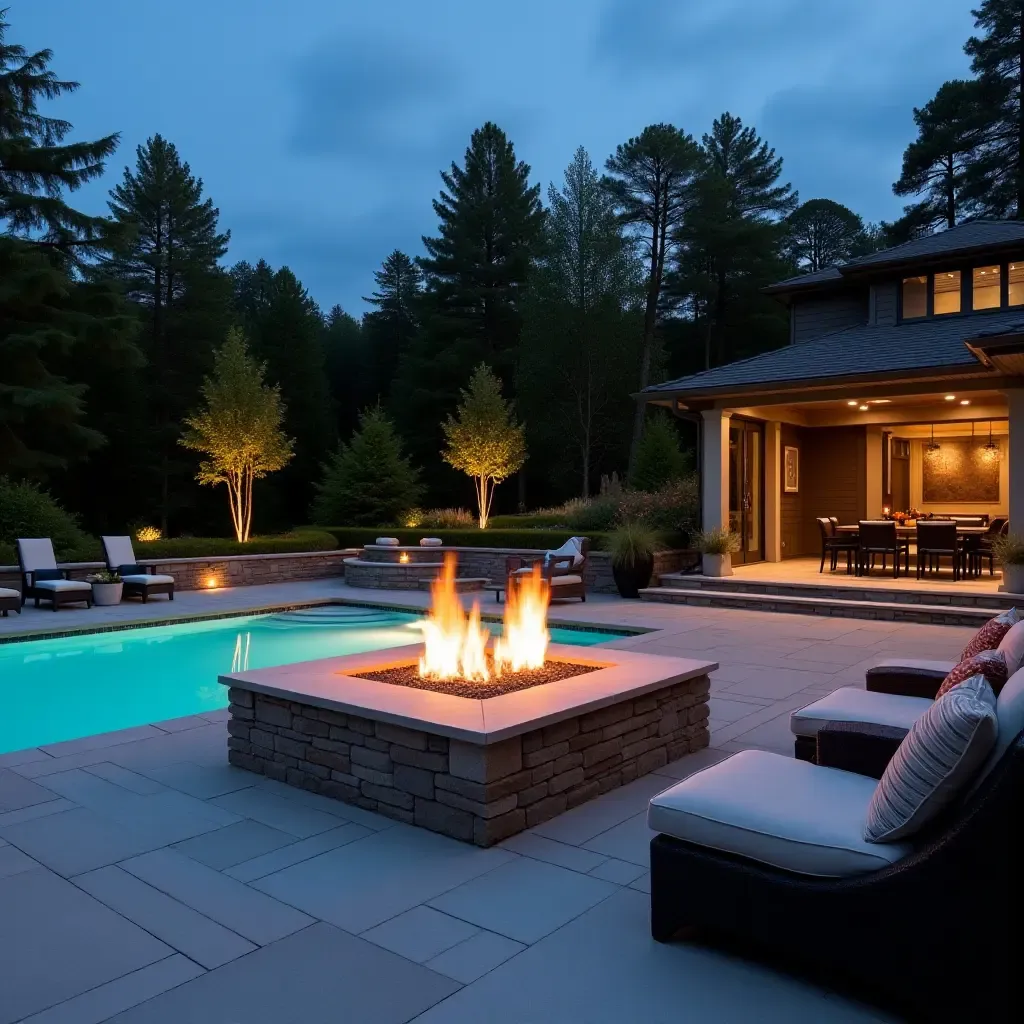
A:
x: 773, y: 492
x: 715, y: 469
x: 1015, y: 409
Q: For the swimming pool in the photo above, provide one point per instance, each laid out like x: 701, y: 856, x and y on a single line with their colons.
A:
x: 62, y: 689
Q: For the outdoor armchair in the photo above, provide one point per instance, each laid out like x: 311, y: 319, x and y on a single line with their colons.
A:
x: 43, y: 581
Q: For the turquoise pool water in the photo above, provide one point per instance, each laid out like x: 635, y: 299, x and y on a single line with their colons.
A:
x: 53, y: 690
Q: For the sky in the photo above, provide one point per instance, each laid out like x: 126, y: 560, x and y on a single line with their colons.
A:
x: 319, y: 127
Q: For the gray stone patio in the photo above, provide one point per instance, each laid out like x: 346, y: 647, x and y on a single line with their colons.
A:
x: 142, y: 879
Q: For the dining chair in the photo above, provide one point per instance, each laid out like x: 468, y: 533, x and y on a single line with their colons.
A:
x: 937, y: 540
x: 879, y: 537
x: 833, y: 544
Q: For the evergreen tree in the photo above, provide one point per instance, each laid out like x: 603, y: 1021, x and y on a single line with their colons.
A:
x: 660, y: 460
x: 582, y: 334
x: 252, y: 287
x: 936, y: 163
x: 491, y: 228
x: 169, y: 268
x: 649, y: 179
x: 367, y: 482
x: 391, y: 327
x: 995, y: 175
x: 821, y: 233
x: 53, y: 308
x: 347, y: 364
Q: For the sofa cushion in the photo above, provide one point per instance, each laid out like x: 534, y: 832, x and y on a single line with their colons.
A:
x: 852, y: 704
x: 935, y: 763
x: 558, y: 581
x: 7, y: 592
x: 776, y: 810
x: 991, y: 634
x: 1012, y: 647
x: 62, y: 585
x: 1010, y: 720
x: 990, y: 664
x: 147, y: 579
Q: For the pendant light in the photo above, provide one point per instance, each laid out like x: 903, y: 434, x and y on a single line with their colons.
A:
x: 932, y: 445
x: 992, y: 447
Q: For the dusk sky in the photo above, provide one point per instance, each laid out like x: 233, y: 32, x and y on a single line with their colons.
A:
x: 319, y: 126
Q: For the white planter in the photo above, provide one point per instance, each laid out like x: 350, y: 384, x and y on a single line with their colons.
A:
x: 1013, y: 579
x: 716, y: 565
x: 106, y: 593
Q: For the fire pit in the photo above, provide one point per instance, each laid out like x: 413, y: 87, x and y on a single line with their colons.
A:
x: 461, y: 736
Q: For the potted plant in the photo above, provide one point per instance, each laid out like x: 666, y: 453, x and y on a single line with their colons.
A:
x: 632, y: 548
x: 106, y: 587
x: 1009, y: 552
x: 716, y: 548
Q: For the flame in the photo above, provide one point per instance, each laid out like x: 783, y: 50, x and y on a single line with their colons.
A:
x: 404, y: 557
x: 455, y: 644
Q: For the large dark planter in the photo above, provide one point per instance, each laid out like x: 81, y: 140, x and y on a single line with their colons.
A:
x: 631, y: 579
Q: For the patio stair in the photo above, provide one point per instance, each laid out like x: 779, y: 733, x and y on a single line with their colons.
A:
x: 968, y: 608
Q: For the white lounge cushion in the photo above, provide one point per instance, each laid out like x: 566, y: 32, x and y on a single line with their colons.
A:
x: 852, y: 704
x: 7, y: 592
x: 36, y: 553
x: 779, y: 811
x: 62, y: 585
x: 148, y: 579
x: 119, y: 551
x: 571, y: 547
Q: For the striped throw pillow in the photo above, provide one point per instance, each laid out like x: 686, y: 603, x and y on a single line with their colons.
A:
x: 935, y: 762
x: 987, y: 638
x: 990, y: 664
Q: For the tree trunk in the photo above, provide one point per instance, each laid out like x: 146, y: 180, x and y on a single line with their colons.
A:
x: 1020, y: 117
x: 950, y: 192
x: 720, y: 317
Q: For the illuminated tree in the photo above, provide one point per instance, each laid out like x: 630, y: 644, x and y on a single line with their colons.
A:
x: 238, y: 428
x: 484, y: 440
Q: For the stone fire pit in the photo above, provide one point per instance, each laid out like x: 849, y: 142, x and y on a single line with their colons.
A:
x: 476, y: 769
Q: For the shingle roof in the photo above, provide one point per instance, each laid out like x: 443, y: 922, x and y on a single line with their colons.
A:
x: 863, y: 350
x: 813, y: 278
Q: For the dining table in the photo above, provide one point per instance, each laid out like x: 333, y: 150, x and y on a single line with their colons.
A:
x: 909, y: 529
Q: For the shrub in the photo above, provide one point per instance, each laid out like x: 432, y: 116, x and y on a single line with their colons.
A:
x: 659, y: 459
x: 28, y: 511
x: 368, y: 481
x: 541, y: 540
x: 213, y: 547
x: 632, y: 543
x: 1009, y: 549
x: 673, y: 507
x: 719, y: 541
x: 448, y: 519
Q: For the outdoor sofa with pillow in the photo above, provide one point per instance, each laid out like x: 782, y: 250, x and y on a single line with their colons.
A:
x: 139, y: 581
x: 898, y: 692
x: 43, y: 581
x: 905, y: 888
x: 563, y: 568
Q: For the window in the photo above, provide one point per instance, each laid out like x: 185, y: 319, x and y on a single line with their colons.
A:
x: 946, y: 292
x: 1016, y: 276
x: 986, y: 287
x: 915, y: 297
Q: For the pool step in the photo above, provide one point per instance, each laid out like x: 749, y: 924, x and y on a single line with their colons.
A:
x: 881, y: 607
x: 337, y: 616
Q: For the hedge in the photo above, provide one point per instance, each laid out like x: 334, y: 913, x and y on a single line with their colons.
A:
x: 201, y: 547
x: 357, y: 536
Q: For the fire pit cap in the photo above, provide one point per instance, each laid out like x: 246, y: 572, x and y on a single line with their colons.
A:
x: 430, y: 542
x: 387, y: 542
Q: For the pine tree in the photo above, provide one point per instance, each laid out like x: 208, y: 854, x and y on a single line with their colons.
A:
x: 822, y: 233
x: 649, y: 178
x: 169, y: 268
x: 391, y: 327
x: 582, y: 334
x: 936, y: 164
x: 52, y: 305
x: 367, y: 482
x: 660, y: 460
x: 995, y: 175
x: 347, y: 364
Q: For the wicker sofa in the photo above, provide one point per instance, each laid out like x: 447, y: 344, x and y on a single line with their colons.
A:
x: 767, y: 852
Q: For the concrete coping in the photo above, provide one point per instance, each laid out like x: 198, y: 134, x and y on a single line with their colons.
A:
x: 202, y: 559
x: 327, y: 683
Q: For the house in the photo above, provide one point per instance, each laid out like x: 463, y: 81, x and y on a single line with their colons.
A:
x: 902, y: 387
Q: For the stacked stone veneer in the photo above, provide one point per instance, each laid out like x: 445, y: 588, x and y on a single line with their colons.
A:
x: 478, y: 793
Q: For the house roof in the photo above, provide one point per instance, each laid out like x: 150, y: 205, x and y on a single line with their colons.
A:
x: 971, y: 236
x: 910, y: 349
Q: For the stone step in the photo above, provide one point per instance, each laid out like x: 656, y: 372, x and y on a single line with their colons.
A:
x: 919, y: 595
x: 893, y: 611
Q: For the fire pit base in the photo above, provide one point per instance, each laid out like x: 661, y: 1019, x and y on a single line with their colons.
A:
x: 537, y: 759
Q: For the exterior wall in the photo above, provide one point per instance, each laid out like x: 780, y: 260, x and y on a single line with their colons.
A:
x: 884, y: 303
x: 1000, y: 508
x: 815, y: 317
x: 480, y: 794
x: 792, y: 505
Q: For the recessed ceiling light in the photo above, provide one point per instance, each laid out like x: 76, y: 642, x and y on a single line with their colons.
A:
x: 851, y: 403
x: 965, y: 401
x: 880, y: 401
x: 863, y: 408
x: 949, y: 398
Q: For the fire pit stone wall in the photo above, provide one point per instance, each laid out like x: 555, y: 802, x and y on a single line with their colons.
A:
x: 477, y: 792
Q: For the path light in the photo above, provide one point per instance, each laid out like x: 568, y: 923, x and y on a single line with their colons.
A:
x: 863, y: 408
x: 851, y: 403
x: 965, y: 401
x: 211, y: 582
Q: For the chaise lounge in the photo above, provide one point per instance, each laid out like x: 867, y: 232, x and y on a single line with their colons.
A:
x: 43, y: 581
x: 139, y: 580
x: 563, y: 568
x: 770, y: 853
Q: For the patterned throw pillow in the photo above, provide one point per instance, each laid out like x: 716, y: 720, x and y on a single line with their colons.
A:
x: 987, y: 638
x: 990, y: 664
x: 935, y: 762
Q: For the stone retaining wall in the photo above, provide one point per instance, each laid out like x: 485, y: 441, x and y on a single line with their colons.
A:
x: 479, y: 794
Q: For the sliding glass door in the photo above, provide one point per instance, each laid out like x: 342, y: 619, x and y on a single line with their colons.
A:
x: 746, y: 488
